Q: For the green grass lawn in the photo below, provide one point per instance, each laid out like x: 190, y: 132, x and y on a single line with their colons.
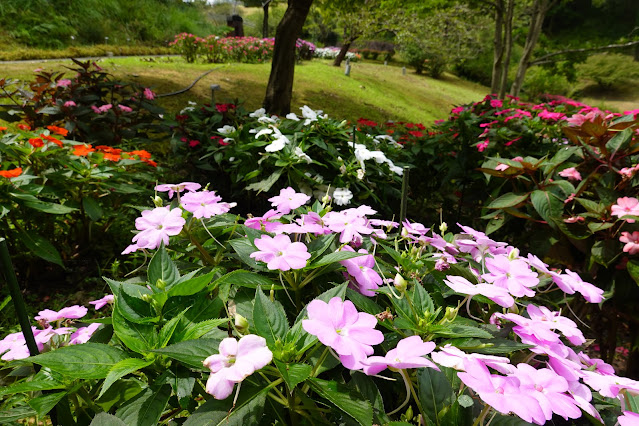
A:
x: 373, y: 90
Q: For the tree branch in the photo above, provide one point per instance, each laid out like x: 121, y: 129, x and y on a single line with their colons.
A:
x: 544, y: 59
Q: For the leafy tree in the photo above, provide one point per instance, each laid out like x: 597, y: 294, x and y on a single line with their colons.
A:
x: 264, y: 4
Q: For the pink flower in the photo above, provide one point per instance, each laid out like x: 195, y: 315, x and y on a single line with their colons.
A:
x: 69, y: 104
x: 100, y: 303
x: 570, y: 173
x: 514, y: 275
x: 626, y: 206
x: 83, y: 334
x: 409, y: 353
x: 64, y: 83
x: 632, y: 242
x: 482, y: 145
x: 178, y: 187
x: 148, y: 94
x: 156, y: 226
x: 70, y: 312
x: 501, y: 167
x: 496, y: 103
x: 338, y: 325
x: 235, y: 361
x: 288, y: 200
x: 349, y: 223
x: 628, y: 419
x: 205, y: 204
x: 497, y: 294
x: 361, y: 269
x: 280, y: 253
x: 125, y: 108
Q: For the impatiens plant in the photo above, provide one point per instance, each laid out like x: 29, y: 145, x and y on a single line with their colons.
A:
x: 241, y: 321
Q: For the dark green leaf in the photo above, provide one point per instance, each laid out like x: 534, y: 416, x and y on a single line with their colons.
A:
x: 265, y: 185
x: 162, y: 268
x: 603, y: 252
x: 35, y: 385
x: 191, y: 352
x: 244, y: 278
x: 106, y: 419
x: 370, y: 392
x: 16, y: 413
x: 508, y: 200
x: 146, y: 407
x: 140, y: 338
x: 362, y: 302
x: 620, y: 140
x: 44, y: 403
x: 318, y: 246
x: 347, y: 400
x: 421, y: 300
x: 633, y: 270
x: 455, y: 330
x: 549, y: 207
x: 41, y: 247
x: 244, y: 248
x: 192, y: 286
x: 121, y: 369
x: 129, y: 303
x: 293, y: 373
x: 333, y: 257
x: 120, y: 392
x: 86, y: 361
x: 92, y: 209
x: 247, y: 411
x: 435, y: 392
x: 269, y: 319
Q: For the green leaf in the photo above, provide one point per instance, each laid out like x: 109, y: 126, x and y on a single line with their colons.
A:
x: 603, y: 252
x: 92, y: 209
x: 191, y: 352
x: 40, y: 246
x: 334, y: 257
x: 162, y: 268
x: 244, y: 248
x: 121, y: 369
x: 129, y: 303
x: 465, y: 401
x: 140, y: 338
x: 192, y: 286
x: 35, y: 385
x: 167, y: 330
x: 265, y: 185
x: 50, y: 208
x: 319, y: 245
x: 45, y: 403
x: 367, y: 387
x: 501, y: 420
x: 198, y: 329
x: 16, y: 413
x: 247, y: 411
x: 86, y: 361
x: 362, y: 302
x: 269, y: 319
x: 120, y: 392
x: 182, y: 382
x: 106, y: 419
x: 633, y: 270
x: 347, y: 400
x: 549, y: 207
x: 245, y: 278
x: 422, y: 300
x: 620, y: 140
x: 457, y: 330
x: 598, y: 226
x: 293, y: 373
x: 435, y: 392
x: 508, y: 200
x: 146, y: 407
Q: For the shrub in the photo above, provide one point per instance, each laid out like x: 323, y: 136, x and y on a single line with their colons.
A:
x: 608, y: 69
x: 540, y: 81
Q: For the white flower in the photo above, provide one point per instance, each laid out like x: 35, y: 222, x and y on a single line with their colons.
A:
x: 292, y: 116
x: 342, y: 196
x: 228, y: 140
x: 186, y: 109
x: 265, y: 131
x: 267, y: 120
x: 226, y: 130
x: 278, y: 144
x: 389, y: 140
x: 301, y: 155
x: 360, y: 174
x: 192, y: 103
x: 311, y: 115
x: 258, y: 113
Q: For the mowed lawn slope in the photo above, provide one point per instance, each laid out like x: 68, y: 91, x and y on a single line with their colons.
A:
x: 372, y: 90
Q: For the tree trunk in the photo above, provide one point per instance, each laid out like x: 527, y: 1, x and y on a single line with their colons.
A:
x: 508, y: 47
x: 498, y: 46
x: 280, y: 83
x: 265, y: 6
x: 342, y: 53
x: 540, y: 8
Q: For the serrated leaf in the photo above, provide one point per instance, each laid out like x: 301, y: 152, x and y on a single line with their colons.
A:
x: 435, y: 392
x: 293, y: 373
x: 458, y: 330
x: 370, y: 392
x: 162, y: 268
x: 549, y: 207
x: 199, y: 329
x: 244, y: 248
x: 619, y: 140
x: 40, y: 246
x: 247, y: 411
x: 362, y: 302
x: 44, y: 403
x: 16, y: 413
x: 192, y: 286
x: 333, y: 258
x: 422, y: 300
x: 140, y: 338
x: 508, y: 200
x: 121, y: 369
x: 191, y: 352
x: 347, y: 400
x: 35, y: 385
x: 146, y: 407
x: 129, y: 303
x: 92, y: 209
x: 269, y: 319
x: 247, y: 279
x: 319, y: 245
x: 266, y: 184
x: 106, y: 419
x: 86, y: 361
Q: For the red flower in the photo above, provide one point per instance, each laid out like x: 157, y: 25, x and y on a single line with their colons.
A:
x: 52, y: 140
x: 24, y: 127
x: 58, y: 130
x: 193, y: 143
x: 36, y: 142
x: 11, y: 173
x: 416, y: 133
x: 112, y: 157
x: 141, y: 153
x: 82, y: 150
x: 2, y: 128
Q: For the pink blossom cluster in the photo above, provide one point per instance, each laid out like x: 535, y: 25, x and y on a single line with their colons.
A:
x: 102, y: 109
x: 14, y: 345
x: 626, y: 206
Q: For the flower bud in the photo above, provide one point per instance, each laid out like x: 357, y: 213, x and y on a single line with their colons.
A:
x: 157, y: 201
x: 514, y: 254
x: 161, y: 284
x: 241, y: 323
x: 443, y: 227
x: 326, y: 199
x: 147, y: 298
x: 450, y: 315
x: 400, y: 283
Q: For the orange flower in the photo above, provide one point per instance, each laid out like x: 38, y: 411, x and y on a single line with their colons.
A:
x: 59, y: 130
x: 2, y: 128
x: 36, y: 142
x: 112, y: 157
x: 52, y: 139
x: 108, y: 149
x: 149, y: 162
x: 141, y: 153
x: 11, y: 173
x: 82, y: 150
x: 24, y: 126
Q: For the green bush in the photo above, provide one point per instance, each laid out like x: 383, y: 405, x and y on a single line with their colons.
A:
x: 539, y: 81
x: 609, y: 69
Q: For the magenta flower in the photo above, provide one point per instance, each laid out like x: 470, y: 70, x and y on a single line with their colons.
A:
x: 570, y: 173
x: 338, y: 325
x: 572, y: 280
x: 205, y: 204
x: 235, y: 361
x: 14, y: 345
x: 69, y: 104
x: 626, y: 206
x: 514, y: 275
x: 361, y: 269
x: 280, y: 253
x: 288, y: 200
x: 628, y: 419
x: 499, y: 295
x: 125, y: 108
x: 409, y: 353
x: 64, y: 83
x: 148, y: 94
x: 156, y: 226
x: 100, y: 303
x: 70, y: 312
x: 178, y: 187
x: 83, y: 334
x: 632, y: 242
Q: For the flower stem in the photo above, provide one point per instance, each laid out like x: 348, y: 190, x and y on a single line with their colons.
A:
x: 482, y: 415
x: 412, y: 391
